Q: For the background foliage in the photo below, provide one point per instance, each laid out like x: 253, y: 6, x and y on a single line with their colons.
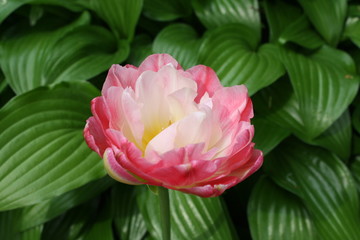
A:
x: 299, y: 59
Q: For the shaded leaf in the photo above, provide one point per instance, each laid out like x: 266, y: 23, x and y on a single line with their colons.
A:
x: 283, y: 216
x: 141, y: 47
x: 33, y: 233
x: 181, y: 41
x: 42, y: 149
x: 67, y: 54
x: 325, y: 13
x: 323, y: 183
x: 163, y: 10
x: 200, y: 218
x: 355, y: 169
x: 215, y: 13
x: 231, y: 51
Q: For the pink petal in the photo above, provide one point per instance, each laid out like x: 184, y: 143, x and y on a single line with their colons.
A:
x: 94, y: 136
x: 156, y: 61
x: 119, y: 76
x: 250, y: 166
x: 206, y: 80
x: 116, y: 171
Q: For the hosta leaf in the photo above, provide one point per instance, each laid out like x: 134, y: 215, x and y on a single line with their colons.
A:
x: 337, y: 138
x: 32, y: 234
x: 181, y: 41
x: 301, y: 33
x: 325, y: 13
x: 268, y: 135
x: 278, y: 15
x: 67, y: 54
x: 120, y: 15
x: 42, y: 149
x: 141, y: 47
x: 128, y: 220
x: 200, y: 218
x: 319, y: 81
x: 356, y: 115
x: 352, y: 30
x: 215, y: 13
x: 282, y: 216
x: 355, y: 169
x: 163, y: 10
x: 231, y: 51
x: 9, y: 221
x: 46, y: 210
x: 323, y: 183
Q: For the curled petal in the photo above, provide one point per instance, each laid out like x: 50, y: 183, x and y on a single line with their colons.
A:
x: 95, y: 137
x: 156, y: 61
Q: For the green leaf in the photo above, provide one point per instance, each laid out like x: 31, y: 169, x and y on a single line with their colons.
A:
x: 328, y: 17
x: 215, y: 13
x: 164, y: 10
x: 120, y: 15
x: 323, y: 183
x: 141, y: 48
x: 356, y: 115
x: 46, y: 210
x: 181, y: 41
x: 33, y: 233
x: 231, y: 51
x: 43, y: 152
x: 128, y: 220
x: 74, y: 52
x: 355, y: 169
x: 267, y: 134
x: 282, y: 216
x: 337, y: 138
x: 8, y: 224
x: 200, y: 218
x: 278, y: 15
x: 319, y: 81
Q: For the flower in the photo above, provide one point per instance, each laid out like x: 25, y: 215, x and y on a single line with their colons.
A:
x: 160, y: 125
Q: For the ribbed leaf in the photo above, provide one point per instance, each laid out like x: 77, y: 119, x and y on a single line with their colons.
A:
x: 355, y: 169
x: 268, y: 135
x: 280, y: 217
x: 278, y: 15
x: 128, y: 220
x: 325, y: 13
x: 319, y: 81
x: 46, y: 210
x: 164, y: 10
x: 337, y: 138
x: 200, y: 218
x: 215, y: 13
x: 120, y: 15
x: 43, y: 153
x: 8, y: 224
x: 67, y: 54
x: 141, y: 47
x: 32, y: 234
x: 231, y: 51
x: 181, y: 41
x: 324, y: 184
x: 100, y: 230
x: 356, y: 115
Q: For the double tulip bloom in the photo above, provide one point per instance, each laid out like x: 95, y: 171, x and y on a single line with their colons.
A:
x: 160, y: 125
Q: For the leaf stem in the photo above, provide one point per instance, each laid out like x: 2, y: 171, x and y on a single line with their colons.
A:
x: 164, y: 212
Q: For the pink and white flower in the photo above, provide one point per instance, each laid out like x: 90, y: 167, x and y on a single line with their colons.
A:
x: 160, y: 125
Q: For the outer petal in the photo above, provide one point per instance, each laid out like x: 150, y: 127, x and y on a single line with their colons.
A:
x: 156, y: 61
x: 119, y: 76
x: 250, y: 166
x: 94, y: 136
x: 116, y: 171
x: 206, y: 80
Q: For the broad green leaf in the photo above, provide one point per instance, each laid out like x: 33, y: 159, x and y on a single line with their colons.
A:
x: 215, y: 13
x: 46, y: 210
x: 352, y: 30
x: 181, y: 41
x: 42, y: 149
x: 128, y: 220
x: 328, y: 17
x: 120, y: 15
x: 267, y: 134
x: 319, y: 81
x: 337, y: 138
x: 278, y: 15
x: 232, y: 52
x: 200, y: 218
x: 281, y: 216
x: 301, y: 33
x: 100, y: 230
x: 141, y: 47
x: 8, y: 224
x: 356, y: 115
x: 355, y: 169
x: 74, y: 52
x: 323, y: 183
x: 32, y: 234
x: 164, y: 10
